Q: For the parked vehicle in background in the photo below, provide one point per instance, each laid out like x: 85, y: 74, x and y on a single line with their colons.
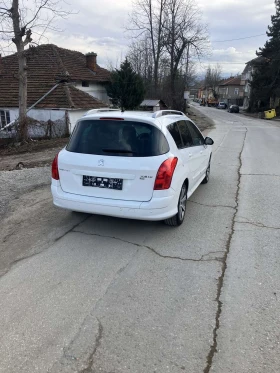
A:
x: 136, y: 165
x: 212, y: 102
x: 222, y: 105
x: 233, y: 109
x: 202, y: 102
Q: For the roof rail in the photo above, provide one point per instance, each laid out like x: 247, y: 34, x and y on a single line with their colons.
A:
x: 160, y: 113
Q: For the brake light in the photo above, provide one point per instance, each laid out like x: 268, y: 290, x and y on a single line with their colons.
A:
x: 165, y: 174
x: 106, y: 118
x: 55, y: 173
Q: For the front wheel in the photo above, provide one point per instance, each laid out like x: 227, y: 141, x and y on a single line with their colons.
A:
x: 178, y: 219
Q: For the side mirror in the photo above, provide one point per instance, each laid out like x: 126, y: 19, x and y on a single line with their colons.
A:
x: 208, y: 141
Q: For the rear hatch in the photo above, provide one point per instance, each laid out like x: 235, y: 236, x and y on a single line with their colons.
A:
x: 115, y: 159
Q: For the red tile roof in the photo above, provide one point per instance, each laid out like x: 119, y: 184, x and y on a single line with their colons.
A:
x: 234, y: 80
x: 47, y: 65
x: 66, y: 96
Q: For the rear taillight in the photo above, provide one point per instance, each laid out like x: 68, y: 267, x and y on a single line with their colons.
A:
x: 165, y: 174
x: 55, y: 173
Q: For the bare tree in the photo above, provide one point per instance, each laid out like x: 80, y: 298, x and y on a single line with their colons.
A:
x: 173, y: 34
x: 184, y: 34
x: 213, y: 78
x: 20, y: 19
x: 140, y: 57
x: 147, y: 19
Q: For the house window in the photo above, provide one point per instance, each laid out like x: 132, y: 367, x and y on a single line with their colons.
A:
x: 236, y: 91
x: 4, y: 118
x: 85, y: 83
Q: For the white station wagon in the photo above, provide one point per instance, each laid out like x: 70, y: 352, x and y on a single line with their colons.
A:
x: 135, y: 165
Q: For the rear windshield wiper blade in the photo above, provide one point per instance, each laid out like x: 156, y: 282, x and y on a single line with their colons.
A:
x: 108, y: 150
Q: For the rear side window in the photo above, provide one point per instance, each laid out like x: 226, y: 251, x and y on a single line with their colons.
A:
x: 117, y: 138
x: 185, y: 133
x: 196, y: 135
x: 174, y: 132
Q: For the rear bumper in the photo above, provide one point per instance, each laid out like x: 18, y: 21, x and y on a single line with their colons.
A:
x: 159, y: 208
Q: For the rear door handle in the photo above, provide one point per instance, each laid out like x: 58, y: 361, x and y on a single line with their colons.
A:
x: 201, y: 151
x: 190, y: 155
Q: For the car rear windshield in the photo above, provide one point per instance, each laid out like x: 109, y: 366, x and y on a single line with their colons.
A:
x: 117, y: 138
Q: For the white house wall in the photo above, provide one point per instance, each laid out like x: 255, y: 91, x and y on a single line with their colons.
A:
x: 38, y: 129
x: 96, y: 90
x: 41, y: 117
x: 38, y: 114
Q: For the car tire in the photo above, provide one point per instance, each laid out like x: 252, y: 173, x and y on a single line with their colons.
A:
x: 207, y: 174
x: 177, y: 220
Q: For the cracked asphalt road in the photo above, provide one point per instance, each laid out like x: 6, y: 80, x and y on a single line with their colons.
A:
x: 88, y: 294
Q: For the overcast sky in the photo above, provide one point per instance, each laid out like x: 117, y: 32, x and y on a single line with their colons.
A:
x: 99, y: 27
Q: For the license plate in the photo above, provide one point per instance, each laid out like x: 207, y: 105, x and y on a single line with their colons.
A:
x: 102, y: 182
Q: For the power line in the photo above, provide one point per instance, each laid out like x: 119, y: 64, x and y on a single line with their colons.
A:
x: 225, y: 63
x: 247, y: 37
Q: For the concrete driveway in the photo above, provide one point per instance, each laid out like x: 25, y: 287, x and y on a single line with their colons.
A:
x: 98, y: 294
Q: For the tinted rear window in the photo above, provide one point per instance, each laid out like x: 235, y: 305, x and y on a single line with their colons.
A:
x: 117, y: 138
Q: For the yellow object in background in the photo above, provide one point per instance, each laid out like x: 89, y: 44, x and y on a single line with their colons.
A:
x: 269, y: 114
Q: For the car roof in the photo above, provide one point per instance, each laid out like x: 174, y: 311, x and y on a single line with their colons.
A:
x: 158, y: 118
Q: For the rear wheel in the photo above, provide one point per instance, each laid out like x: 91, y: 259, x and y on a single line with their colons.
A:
x: 178, y: 219
x: 207, y: 173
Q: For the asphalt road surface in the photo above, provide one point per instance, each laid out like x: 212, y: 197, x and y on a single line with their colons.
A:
x: 98, y: 294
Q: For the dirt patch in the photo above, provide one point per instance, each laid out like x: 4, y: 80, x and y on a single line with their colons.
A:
x: 199, y: 119
x: 33, y: 154
x: 33, y: 146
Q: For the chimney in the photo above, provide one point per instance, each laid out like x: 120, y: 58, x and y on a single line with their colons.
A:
x: 91, y: 61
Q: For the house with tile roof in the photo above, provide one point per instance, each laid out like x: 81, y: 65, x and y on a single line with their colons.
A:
x: 231, y: 91
x: 247, y: 76
x: 62, y: 85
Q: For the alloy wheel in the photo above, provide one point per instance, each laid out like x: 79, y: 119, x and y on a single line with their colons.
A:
x: 207, y: 175
x: 182, y: 202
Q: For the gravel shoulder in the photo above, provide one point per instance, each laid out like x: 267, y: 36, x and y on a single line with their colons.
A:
x: 203, y: 122
x: 29, y: 221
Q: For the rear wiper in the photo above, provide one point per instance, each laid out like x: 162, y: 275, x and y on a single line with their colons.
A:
x: 108, y: 150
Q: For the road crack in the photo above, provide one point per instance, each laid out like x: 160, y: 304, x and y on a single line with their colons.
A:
x: 213, y: 349
x: 34, y: 253
x: 88, y: 368
x: 273, y: 175
x: 257, y: 224
x: 154, y: 251
x: 85, y: 325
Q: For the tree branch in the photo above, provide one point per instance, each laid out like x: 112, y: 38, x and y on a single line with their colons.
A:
x: 37, y: 12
